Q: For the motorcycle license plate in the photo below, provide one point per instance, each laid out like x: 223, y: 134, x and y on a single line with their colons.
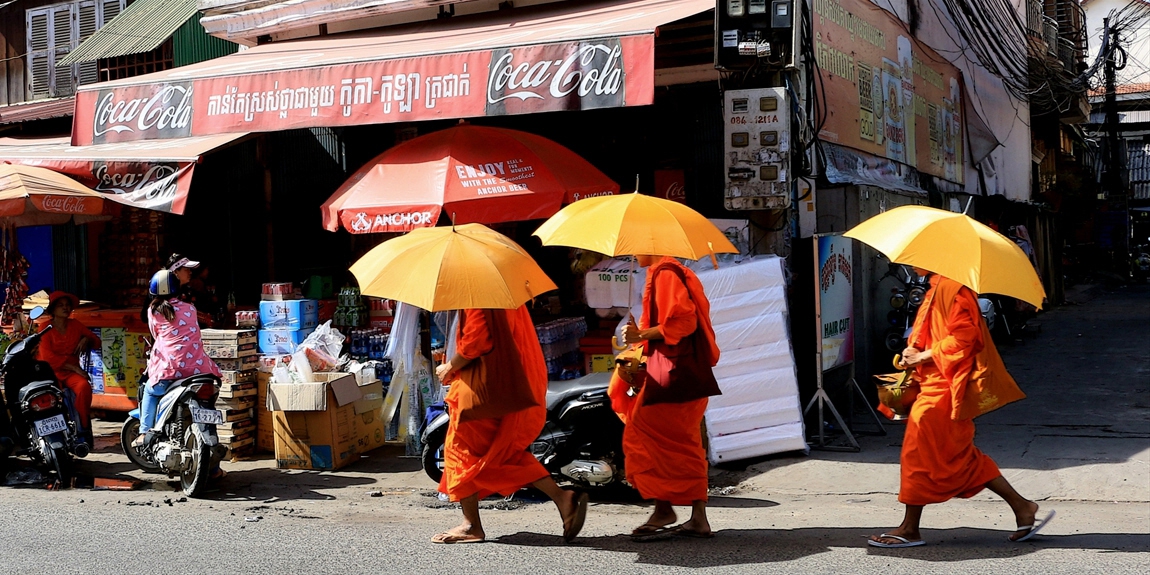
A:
x: 207, y: 416
x: 54, y: 424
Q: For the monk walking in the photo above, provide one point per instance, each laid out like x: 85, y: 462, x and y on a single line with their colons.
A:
x: 948, y: 347
x: 662, y: 437
x: 497, y: 407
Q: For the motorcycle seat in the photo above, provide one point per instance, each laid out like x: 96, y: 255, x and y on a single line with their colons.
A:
x: 559, y: 391
x: 35, y: 387
x: 198, y: 378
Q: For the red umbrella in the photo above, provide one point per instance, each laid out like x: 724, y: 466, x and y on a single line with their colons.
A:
x: 476, y: 174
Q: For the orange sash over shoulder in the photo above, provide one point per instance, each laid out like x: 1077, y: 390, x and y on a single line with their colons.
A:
x: 963, y: 351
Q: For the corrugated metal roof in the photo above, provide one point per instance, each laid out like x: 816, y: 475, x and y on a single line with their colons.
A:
x: 37, y: 110
x: 141, y: 27
x: 1138, y: 162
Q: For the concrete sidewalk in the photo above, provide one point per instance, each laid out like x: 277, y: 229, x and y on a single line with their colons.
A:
x: 1082, y: 433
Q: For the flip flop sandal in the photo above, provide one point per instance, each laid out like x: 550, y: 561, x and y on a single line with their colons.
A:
x: 577, y: 521
x: 903, y: 542
x: 650, y: 532
x: 1032, y: 530
x: 680, y: 530
x: 449, y: 539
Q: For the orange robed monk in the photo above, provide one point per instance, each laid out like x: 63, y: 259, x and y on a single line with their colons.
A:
x: 939, y: 459
x: 662, y: 437
x: 484, y: 455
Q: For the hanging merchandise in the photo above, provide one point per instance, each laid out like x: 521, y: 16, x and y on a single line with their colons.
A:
x: 13, y: 271
x: 129, y: 255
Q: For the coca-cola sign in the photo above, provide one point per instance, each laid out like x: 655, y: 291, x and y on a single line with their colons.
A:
x: 159, y: 111
x: 561, y: 76
x: 68, y: 204
x: 671, y: 185
x: 152, y: 186
x: 236, y: 98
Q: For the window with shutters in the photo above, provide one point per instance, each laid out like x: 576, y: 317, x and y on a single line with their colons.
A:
x: 53, y: 32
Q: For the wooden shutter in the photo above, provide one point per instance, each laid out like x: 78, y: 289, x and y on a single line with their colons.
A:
x: 39, y: 70
x: 63, y: 40
x: 87, y: 23
x: 110, y: 9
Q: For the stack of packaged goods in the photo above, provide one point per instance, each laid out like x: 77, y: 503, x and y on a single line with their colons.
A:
x: 129, y: 255
x: 285, y: 323
x: 265, y: 432
x: 560, y: 341
x: 350, y: 312
x: 234, y: 351
x: 598, y: 355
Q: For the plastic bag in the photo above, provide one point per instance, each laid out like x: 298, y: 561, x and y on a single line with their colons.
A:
x: 404, y: 338
x: 325, y: 340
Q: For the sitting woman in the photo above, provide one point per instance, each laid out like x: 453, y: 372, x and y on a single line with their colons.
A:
x: 61, y: 347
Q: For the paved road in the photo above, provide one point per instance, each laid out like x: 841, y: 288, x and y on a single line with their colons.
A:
x: 1080, y: 444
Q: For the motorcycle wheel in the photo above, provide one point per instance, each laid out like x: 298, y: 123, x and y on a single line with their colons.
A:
x: 128, y: 433
x: 433, y: 454
x: 195, y: 478
x: 58, y: 460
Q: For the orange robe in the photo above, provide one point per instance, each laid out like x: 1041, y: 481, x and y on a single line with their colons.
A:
x: 939, y: 459
x: 663, y: 443
x: 487, y: 456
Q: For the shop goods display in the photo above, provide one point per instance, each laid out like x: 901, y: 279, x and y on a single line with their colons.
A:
x: 129, y: 255
x: 758, y: 412
x: 238, y: 388
x: 350, y: 310
x: 607, y: 284
x: 560, y: 342
x: 13, y: 271
x: 277, y: 292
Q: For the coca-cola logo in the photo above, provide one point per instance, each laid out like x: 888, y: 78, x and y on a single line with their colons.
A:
x: 151, y: 186
x: 676, y: 191
x: 589, y: 71
x: 64, y: 204
x: 168, y: 112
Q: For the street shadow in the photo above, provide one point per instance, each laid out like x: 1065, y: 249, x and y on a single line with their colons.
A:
x: 731, y: 547
x: 265, y: 484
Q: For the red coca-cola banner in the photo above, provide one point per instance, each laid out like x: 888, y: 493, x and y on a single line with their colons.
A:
x: 671, y: 185
x: 601, y: 73
x: 154, y: 186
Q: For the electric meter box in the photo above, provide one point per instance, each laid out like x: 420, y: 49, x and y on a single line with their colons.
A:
x: 757, y: 150
x: 758, y: 33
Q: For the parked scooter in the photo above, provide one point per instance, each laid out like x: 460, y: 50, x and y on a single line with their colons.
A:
x: 581, y: 444
x: 183, y: 440
x: 43, y: 414
x: 904, y: 302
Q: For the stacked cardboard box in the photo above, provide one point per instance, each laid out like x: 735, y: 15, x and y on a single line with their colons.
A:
x: 236, y: 354
x: 285, y: 324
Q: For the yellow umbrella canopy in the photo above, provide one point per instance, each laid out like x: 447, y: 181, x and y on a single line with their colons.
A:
x: 953, y: 245
x: 634, y: 224
x: 34, y: 196
x: 462, y: 267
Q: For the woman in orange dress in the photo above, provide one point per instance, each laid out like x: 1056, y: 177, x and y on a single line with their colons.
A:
x: 61, y: 347
x: 939, y: 460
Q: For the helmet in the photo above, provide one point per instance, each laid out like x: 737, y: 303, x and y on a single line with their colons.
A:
x: 163, y: 283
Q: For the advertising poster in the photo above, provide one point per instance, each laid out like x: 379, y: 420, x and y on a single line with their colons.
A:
x: 113, y: 355
x: 836, y: 300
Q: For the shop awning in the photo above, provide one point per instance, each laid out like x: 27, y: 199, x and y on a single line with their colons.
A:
x: 155, y: 174
x: 564, y: 56
x: 141, y: 27
x: 37, y: 110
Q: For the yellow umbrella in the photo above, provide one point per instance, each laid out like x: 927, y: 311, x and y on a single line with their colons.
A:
x: 953, y: 245
x: 462, y: 267
x: 634, y: 224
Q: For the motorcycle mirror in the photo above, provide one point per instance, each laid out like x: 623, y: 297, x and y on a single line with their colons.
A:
x: 36, y: 313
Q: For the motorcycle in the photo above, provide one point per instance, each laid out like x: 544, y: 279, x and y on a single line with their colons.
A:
x: 183, y: 440
x: 581, y: 443
x: 904, y: 302
x: 44, y: 415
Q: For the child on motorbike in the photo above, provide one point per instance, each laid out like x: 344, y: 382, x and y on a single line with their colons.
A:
x: 61, y: 347
x: 178, y: 351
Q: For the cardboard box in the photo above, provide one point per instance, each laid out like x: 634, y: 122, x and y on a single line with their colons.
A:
x: 371, y: 397
x: 236, y: 414
x: 291, y: 314
x: 238, y: 364
x: 237, y: 377
x: 236, y: 403
x: 233, y: 336
x: 220, y: 349
x: 383, y: 322
x: 315, y: 422
x: 281, y: 341
x: 238, y: 390
x: 370, y: 430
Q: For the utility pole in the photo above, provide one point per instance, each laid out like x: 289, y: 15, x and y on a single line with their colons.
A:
x: 1112, y: 183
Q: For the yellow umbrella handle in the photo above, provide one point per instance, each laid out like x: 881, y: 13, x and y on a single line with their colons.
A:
x: 714, y: 260
x: 615, y: 339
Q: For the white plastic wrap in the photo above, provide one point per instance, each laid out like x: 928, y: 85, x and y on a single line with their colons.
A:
x: 759, y: 412
x: 607, y: 282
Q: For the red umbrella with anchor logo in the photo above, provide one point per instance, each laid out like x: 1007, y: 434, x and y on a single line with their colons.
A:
x: 475, y: 174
